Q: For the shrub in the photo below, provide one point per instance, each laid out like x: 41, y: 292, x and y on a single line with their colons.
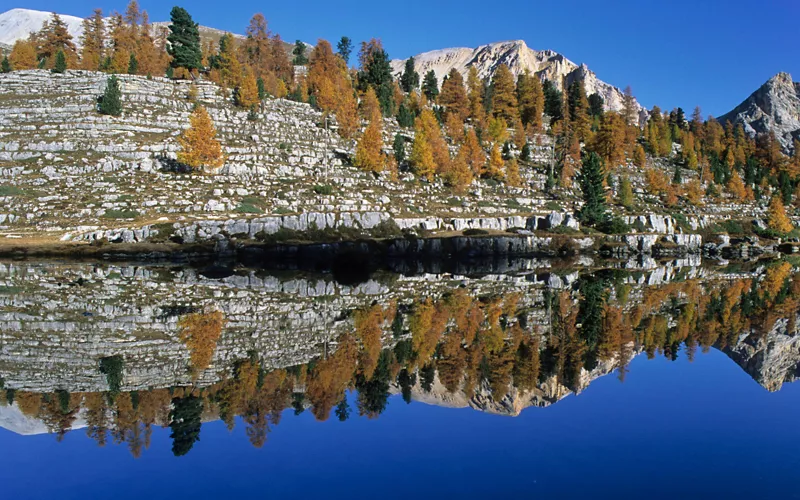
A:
x: 614, y: 225
x: 323, y: 189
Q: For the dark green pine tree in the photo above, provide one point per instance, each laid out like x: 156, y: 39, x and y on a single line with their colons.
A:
x: 596, y: 105
x: 343, y: 410
x: 185, y: 424
x: 677, y: 176
x: 5, y: 66
x: 430, y: 86
x: 378, y: 74
x: 593, y: 212
x: 410, y: 78
x: 111, y: 101
x: 262, y: 90
x: 299, y: 52
x: 133, y: 65
x: 405, y: 117
x: 552, y: 100
x: 184, y: 41
x: 61, y: 62
x: 344, y: 48
x: 399, y: 147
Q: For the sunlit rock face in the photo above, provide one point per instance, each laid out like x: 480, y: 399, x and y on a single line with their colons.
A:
x: 774, y: 107
x: 545, y: 64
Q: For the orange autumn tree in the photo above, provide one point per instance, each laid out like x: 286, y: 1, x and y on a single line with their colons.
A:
x: 23, y: 55
x: 369, y: 155
x: 329, y: 82
x: 200, y: 332
x: 776, y: 216
x: 199, y: 147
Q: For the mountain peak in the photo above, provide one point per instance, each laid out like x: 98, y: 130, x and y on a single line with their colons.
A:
x: 545, y: 64
x: 775, y: 106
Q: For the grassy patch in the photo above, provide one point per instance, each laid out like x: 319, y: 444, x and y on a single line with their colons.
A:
x: 323, y: 189
x: 246, y: 208
x: 10, y: 191
x: 553, y: 206
x: 120, y: 214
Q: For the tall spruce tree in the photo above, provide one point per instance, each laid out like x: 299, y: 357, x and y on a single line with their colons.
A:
x: 593, y: 212
x: 133, y: 64
x: 5, y: 66
x: 430, y: 86
x: 377, y: 73
x: 61, y: 62
x: 552, y: 101
x: 596, y: 105
x: 184, y: 41
x: 299, y: 53
x: 344, y: 48
x: 111, y: 101
x: 185, y: 423
x: 410, y: 79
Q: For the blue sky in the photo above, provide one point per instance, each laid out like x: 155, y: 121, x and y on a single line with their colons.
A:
x: 711, y: 53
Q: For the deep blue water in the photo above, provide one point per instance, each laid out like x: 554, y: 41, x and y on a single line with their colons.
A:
x: 672, y: 430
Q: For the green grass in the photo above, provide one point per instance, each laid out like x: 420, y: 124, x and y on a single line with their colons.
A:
x: 323, y: 189
x: 120, y: 214
x: 247, y: 208
x: 10, y: 191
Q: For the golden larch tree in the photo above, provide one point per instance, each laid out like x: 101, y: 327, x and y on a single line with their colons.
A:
x: 504, y: 97
x: 23, y: 55
x: 93, y: 41
x: 369, y: 154
x: 199, y: 147
x: 454, y: 96
x: 494, y: 169
x: 776, y: 216
x: 475, y: 95
x: 512, y: 173
x: 247, y: 93
x: 200, y: 332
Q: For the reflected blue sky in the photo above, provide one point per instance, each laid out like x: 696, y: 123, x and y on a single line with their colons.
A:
x: 672, y: 429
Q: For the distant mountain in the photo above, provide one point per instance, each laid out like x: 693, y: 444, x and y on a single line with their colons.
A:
x: 17, y: 24
x: 775, y: 106
x: 546, y: 64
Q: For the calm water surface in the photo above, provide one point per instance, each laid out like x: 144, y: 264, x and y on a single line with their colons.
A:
x: 526, y: 379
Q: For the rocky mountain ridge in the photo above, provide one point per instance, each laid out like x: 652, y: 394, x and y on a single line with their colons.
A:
x: 775, y: 106
x: 546, y: 64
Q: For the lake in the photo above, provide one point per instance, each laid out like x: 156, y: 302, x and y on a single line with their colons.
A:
x: 502, y: 378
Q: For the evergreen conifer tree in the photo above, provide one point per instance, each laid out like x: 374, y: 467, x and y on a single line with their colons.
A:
x: 61, y: 62
x: 344, y: 48
x: 430, y: 86
x: 405, y: 117
x: 184, y: 41
x: 410, y: 79
x: 5, y: 66
x: 133, y: 64
x: 593, y: 212
x: 399, y: 147
x: 111, y: 102
x: 299, y: 53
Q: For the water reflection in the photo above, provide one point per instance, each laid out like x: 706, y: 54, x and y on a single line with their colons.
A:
x: 118, y: 350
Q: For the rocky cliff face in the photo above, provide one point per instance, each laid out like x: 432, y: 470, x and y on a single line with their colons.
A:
x: 546, y: 64
x: 773, y: 107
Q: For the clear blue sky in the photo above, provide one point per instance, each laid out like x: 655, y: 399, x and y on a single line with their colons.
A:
x: 711, y: 53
